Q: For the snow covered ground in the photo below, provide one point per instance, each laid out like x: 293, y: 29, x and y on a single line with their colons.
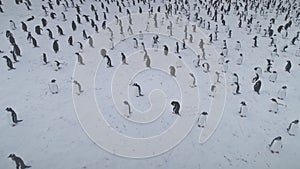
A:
x: 51, y: 135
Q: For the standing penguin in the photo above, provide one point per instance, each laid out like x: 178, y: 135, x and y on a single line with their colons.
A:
x: 79, y: 58
x: 74, y: 26
x: 273, y: 106
x: 239, y: 61
x: 194, y: 80
x: 91, y: 42
x: 60, y: 30
x: 172, y: 71
x: 176, y: 107
x: 70, y: 40
x: 243, y: 109
x: 12, y: 25
x: 148, y: 62
x: 212, y: 90
x: 44, y: 22
x: 237, y: 90
x: 55, y: 46
x: 166, y: 50
x: 45, y: 60
x: 225, y: 66
x: 17, y: 50
x: 13, y: 116
x: 19, y: 162
x: 202, y: 119
x: 205, y: 67
x: 24, y: 27
x: 293, y: 127
x: 288, y: 66
x: 108, y: 61
x: 282, y: 93
x: 273, y: 76
x: 79, y: 87
x: 9, y: 63
x: 139, y: 89
x: 123, y: 58
x: 129, y: 108
x: 53, y: 87
x: 257, y: 86
x: 38, y: 29
x: 34, y: 42
x: 275, y: 145
x: 50, y: 34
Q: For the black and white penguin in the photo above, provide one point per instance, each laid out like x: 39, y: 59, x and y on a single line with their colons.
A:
x: 78, y: 86
x: 12, y: 25
x: 57, y: 63
x: 256, y: 78
x: 275, y: 145
x: 9, y: 63
x: 50, y: 34
x: 38, y: 29
x: 55, y: 46
x: 243, y: 109
x: 45, y: 60
x: 166, y: 50
x: 14, y: 56
x: 273, y: 76
x: 60, y: 30
x: 34, y: 42
x: 237, y: 90
x: 235, y: 79
x: 139, y: 89
x: 19, y: 162
x: 257, y: 86
x: 53, y: 87
x: 13, y: 116
x: 288, y: 66
x: 293, y: 127
x: 70, y: 40
x: 84, y: 34
x: 91, y: 41
x: 273, y: 106
x: 109, y: 64
x: 212, y: 90
x: 24, y: 27
x: 225, y: 66
x: 202, y: 119
x: 172, y: 71
x: 17, y: 50
x: 176, y: 107
x: 129, y: 108
x: 73, y: 26
x: 79, y: 58
x: 282, y: 93
x: 206, y: 67
x: 123, y: 58
x: 135, y: 45
x: 44, y: 22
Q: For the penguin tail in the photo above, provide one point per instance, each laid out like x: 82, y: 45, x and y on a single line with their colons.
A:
x: 27, y: 166
x: 19, y: 121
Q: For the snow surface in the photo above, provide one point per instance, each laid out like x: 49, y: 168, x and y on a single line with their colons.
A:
x: 51, y: 135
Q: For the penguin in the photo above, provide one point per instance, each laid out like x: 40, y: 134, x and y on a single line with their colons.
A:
x: 194, y: 80
x: 166, y: 50
x: 237, y: 90
x: 148, y: 62
x: 273, y: 76
x: 282, y: 93
x: 212, y: 91
x: 135, y: 43
x: 269, y: 65
x: 9, y: 63
x: 13, y: 116
x: 55, y: 46
x: 235, y: 79
x: 238, y: 46
x: 288, y: 66
x: 256, y: 78
x: 275, y: 145
x: 24, y: 27
x: 257, y: 86
x: 172, y: 71
x: 53, y: 15
x: 202, y: 119
x: 255, y: 42
x: 108, y: 61
x: 34, y: 42
x: 243, y: 109
x: 57, y: 63
x: 45, y: 59
x: 206, y: 67
x: 64, y: 16
x: 84, y: 34
x: 50, y: 34
x: 293, y: 127
x: 53, y: 87
x: 258, y: 70
x: 273, y: 106
x: 44, y: 22
x: 12, y: 25
x: 129, y: 108
x: 239, y: 61
x: 17, y: 50
x: 176, y: 107
x: 19, y: 162
x: 38, y: 29
x: 79, y: 59
x: 123, y: 58
x: 30, y: 19
x: 60, y: 30
x: 79, y: 87
x: 179, y: 63
x: 225, y: 66
x: 139, y: 89
x: 70, y: 40
x: 91, y: 42
x: 80, y: 45
x: 74, y: 26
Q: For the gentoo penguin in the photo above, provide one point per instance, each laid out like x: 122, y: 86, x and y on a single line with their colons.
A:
x: 70, y: 40
x: 288, y: 66
x: 78, y: 19
x: 84, y: 34
x: 293, y: 127
x: 235, y: 79
x: 194, y: 80
x: 275, y: 145
x: 282, y: 93
x: 172, y: 71
x: 12, y: 25
x: 273, y: 106
x: 108, y: 61
x: 57, y: 65
x: 273, y: 76
x: 45, y: 60
x: 19, y: 162
x: 55, y: 46
x: 44, y: 22
x: 53, y: 87
x: 38, y: 29
x: 237, y: 90
x: 91, y: 42
x: 202, y: 119
x: 225, y: 66
x: 205, y: 67
x: 13, y: 116
x: 257, y: 86
x: 17, y: 50
x: 123, y: 58
x: 60, y: 30
x: 212, y: 91
x: 74, y: 26
x: 24, y: 27
x: 9, y: 63
x: 239, y: 61
x: 243, y: 109
x: 258, y: 70
x: 79, y: 59
x: 50, y: 34
x: 53, y: 15
x: 179, y: 63
x: 255, y: 78
x: 79, y: 87
x: 176, y: 107
x: 148, y: 62
x: 135, y: 45
x: 238, y: 46
x: 80, y: 45
x: 217, y: 79
x: 166, y: 50
x: 34, y: 42
x: 139, y: 89
x: 129, y: 108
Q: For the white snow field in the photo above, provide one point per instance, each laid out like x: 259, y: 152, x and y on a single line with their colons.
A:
x: 93, y: 129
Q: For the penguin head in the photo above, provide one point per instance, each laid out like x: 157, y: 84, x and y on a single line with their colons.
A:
x: 284, y: 87
x: 243, y: 103
x: 11, y: 156
x: 274, y: 100
x: 204, y: 113
x: 8, y: 109
x: 296, y: 121
x: 278, y: 138
x: 53, y: 81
